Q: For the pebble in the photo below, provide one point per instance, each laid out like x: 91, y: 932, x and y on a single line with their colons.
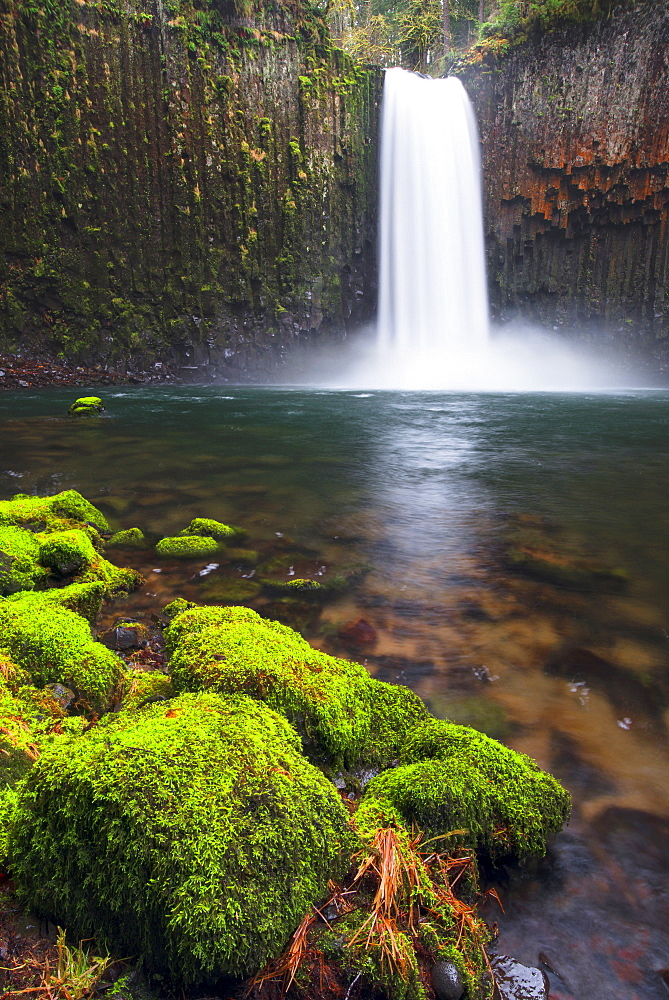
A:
x: 446, y: 981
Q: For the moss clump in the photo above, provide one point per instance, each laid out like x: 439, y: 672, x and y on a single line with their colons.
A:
x: 194, y: 833
x: 61, y: 511
x: 233, y: 649
x: 83, y: 598
x: 143, y: 687
x: 176, y: 606
x: 86, y: 405
x: 187, y: 547
x: 209, y: 528
x: 19, y: 561
x: 55, y: 645
x: 67, y: 551
x: 453, y: 778
x: 298, y: 585
x: 131, y: 538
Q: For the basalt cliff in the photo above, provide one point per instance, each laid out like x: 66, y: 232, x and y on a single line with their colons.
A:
x: 181, y: 181
x: 575, y: 137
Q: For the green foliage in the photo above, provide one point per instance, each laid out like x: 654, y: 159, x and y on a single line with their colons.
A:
x: 194, y: 833
x: 54, y: 645
x: 453, y: 778
x: 187, y: 547
x: 516, y: 18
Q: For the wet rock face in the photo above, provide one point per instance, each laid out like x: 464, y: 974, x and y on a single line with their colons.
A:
x: 224, y: 168
x: 575, y: 129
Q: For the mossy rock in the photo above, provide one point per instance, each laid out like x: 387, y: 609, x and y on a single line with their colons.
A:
x: 61, y: 511
x: 67, y: 552
x: 187, y: 547
x: 562, y: 571
x: 229, y: 590
x: 19, y: 560
x: 130, y: 538
x: 144, y: 687
x: 207, y: 527
x: 194, y: 833
x: 332, y: 702
x: 55, y: 645
x: 83, y: 598
x: 456, y: 782
x: 176, y: 607
x: 86, y: 406
x: 301, y: 586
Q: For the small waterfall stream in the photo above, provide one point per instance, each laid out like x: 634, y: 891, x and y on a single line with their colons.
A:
x: 433, y: 301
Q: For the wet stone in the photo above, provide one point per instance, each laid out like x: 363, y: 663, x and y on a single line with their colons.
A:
x: 446, y: 981
x: 61, y: 694
x: 518, y: 982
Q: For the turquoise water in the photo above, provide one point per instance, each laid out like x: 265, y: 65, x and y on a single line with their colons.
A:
x: 424, y: 502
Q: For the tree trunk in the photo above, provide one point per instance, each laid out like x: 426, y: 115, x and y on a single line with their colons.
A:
x: 447, y: 27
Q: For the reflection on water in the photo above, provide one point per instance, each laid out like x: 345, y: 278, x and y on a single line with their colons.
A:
x: 505, y: 557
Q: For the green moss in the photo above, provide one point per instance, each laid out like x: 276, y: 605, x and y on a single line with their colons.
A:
x: 453, y: 778
x: 130, y: 538
x: 19, y: 560
x: 213, y: 529
x: 142, y: 687
x: 298, y: 585
x: 234, y: 649
x: 55, y: 645
x: 187, y: 547
x: 86, y: 405
x: 54, y: 512
x: 248, y: 557
x: 67, y: 551
x: 83, y: 598
x: 176, y: 606
x: 194, y: 833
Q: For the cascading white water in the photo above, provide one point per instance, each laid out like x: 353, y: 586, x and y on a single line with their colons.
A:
x: 433, y: 300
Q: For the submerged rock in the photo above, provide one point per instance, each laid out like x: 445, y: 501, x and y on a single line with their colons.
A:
x: 518, y: 982
x: 210, y: 528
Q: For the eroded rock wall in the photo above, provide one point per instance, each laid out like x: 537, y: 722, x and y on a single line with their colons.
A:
x: 575, y: 138
x: 181, y: 182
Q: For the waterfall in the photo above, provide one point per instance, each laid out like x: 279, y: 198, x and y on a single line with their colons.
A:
x: 433, y: 300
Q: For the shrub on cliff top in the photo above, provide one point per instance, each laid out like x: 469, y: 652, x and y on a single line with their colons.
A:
x: 192, y: 832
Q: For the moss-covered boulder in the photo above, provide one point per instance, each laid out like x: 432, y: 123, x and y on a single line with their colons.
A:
x: 192, y: 832
x: 331, y: 701
x: 19, y: 560
x: 454, y: 780
x: 210, y: 528
x: 129, y: 538
x: 187, y: 547
x: 144, y: 687
x: 83, y: 598
x: 67, y: 552
x: 61, y: 511
x: 86, y: 406
x: 53, y: 644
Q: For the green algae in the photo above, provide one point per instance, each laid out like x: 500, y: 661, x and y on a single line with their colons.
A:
x: 55, y: 645
x: 209, y: 528
x: 194, y: 833
x: 187, y: 547
x: 230, y: 590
